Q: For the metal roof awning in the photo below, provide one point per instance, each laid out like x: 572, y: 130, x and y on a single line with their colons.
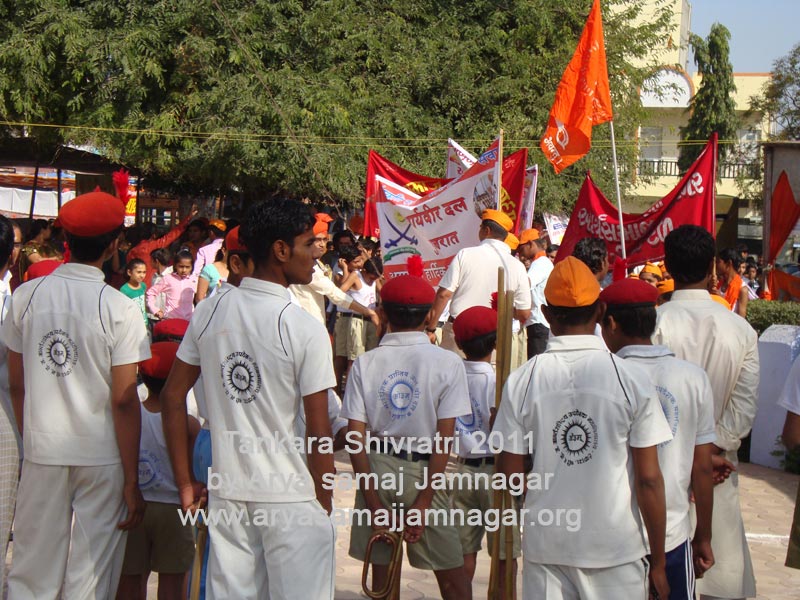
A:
x: 26, y: 152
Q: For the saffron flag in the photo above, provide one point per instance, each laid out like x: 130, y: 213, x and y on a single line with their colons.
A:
x: 435, y: 226
x: 583, y: 98
x: 690, y: 203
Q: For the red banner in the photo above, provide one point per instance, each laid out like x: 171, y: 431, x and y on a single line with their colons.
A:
x: 511, y: 198
x: 690, y: 203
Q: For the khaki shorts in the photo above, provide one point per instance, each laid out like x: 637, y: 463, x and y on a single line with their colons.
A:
x: 438, y: 549
x: 348, y: 337
x: 160, y: 543
x: 466, y: 499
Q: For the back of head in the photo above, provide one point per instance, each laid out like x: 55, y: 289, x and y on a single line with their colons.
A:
x: 162, y: 255
x: 269, y: 221
x: 91, y: 223
x: 6, y: 240
x: 632, y: 303
x: 374, y: 266
x: 689, y: 253
x: 732, y: 256
x: 475, y: 331
x: 571, y: 293
x: 407, y: 300
x: 592, y: 252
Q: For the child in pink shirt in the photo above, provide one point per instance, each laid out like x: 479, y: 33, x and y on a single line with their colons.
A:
x: 178, y: 288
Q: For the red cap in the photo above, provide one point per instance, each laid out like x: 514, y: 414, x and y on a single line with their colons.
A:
x: 170, y: 328
x: 232, y: 241
x: 632, y: 293
x: 408, y: 290
x: 474, y: 322
x: 160, y: 362
x: 92, y: 214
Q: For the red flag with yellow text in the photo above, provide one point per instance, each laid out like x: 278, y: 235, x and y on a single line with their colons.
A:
x: 583, y: 98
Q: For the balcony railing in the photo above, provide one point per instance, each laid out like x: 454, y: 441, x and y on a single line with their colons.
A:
x: 667, y: 167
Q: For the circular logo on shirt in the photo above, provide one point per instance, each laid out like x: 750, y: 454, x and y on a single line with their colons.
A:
x: 58, y: 354
x: 669, y: 404
x: 148, y: 469
x: 575, y: 438
x: 472, y: 422
x: 241, y: 378
x: 399, y: 394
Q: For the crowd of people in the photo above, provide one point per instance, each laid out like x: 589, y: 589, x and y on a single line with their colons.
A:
x: 235, y: 359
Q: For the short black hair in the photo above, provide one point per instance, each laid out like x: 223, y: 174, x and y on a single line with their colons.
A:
x: 6, y: 239
x: 552, y: 248
x: 639, y: 321
x: 688, y: 253
x: 592, y: 252
x: 89, y: 249
x: 349, y: 253
x: 732, y: 256
x: 153, y: 385
x: 162, y: 255
x: 403, y: 316
x: 133, y: 263
x: 479, y: 347
x: 271, y: 220
x: 374, y: 266
x: 569, y: 316
x: 496, y: 231
x: 369, y: 244
x: 181, y: 255
x: 345, y: 233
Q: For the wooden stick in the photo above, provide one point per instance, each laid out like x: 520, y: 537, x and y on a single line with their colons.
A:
x: 510, y: 588
x: 499, y: 181
x: 197, y: 565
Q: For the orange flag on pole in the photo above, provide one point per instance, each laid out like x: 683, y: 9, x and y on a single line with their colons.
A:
x: 583, y: 98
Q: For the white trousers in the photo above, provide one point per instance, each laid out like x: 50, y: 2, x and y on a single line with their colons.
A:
x: 555, y: 582
x: 270, y: 550
x: 65, y: 533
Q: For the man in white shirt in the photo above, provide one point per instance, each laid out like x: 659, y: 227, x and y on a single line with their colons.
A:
x: 592, y: 423
x: 471, y: 277
x: 701, y: 331
x: 74, y: 345
x: 532, y: 247
x: 688, y: 403
x: 312, y: 296
x: 263, y: 360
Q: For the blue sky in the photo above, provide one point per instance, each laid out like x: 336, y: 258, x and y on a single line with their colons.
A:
x: 761, y: 30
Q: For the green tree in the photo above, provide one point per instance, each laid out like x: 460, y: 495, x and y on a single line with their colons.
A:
x: 712, y: 107
x: 780, y: 98
x: 286, y: 97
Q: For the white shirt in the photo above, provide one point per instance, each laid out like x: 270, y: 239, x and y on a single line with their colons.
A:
x: 703, y: 332
x: 312, y: 296
x: 790, y: 396
x: 472, y: 277
x: 404, y: 386
x: 334, y: 408
x: 260, y: 355
x: 688, y: 404
x: 538, y: 273
x: 71, y: 328
x: 481, y: 385
x: 156, y: 479
x: 582, y: 410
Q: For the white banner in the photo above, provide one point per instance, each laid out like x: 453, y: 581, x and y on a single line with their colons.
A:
x: 529, y: 197
x: 438, y: 225
x: 458, y: 160
x: 556, y: 227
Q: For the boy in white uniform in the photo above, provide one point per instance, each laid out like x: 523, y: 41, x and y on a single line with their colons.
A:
x: 408, y: 393
x: 592, y: 422
x: 263, y: 359
x: 475, y: 331
x: 688, y: 403
x: 74, y: 344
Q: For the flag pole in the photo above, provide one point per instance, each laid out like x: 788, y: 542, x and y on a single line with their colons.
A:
x: 619, y: 196
x: 499, y: 181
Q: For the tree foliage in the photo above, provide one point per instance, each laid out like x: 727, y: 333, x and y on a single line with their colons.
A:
x: 780, y: 97
x: 287, y: 96
x: 712, y: 107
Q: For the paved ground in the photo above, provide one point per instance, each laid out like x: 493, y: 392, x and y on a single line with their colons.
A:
x: 767, y: 502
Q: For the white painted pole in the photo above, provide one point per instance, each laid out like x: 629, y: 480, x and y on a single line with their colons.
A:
x: 619, y: 196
